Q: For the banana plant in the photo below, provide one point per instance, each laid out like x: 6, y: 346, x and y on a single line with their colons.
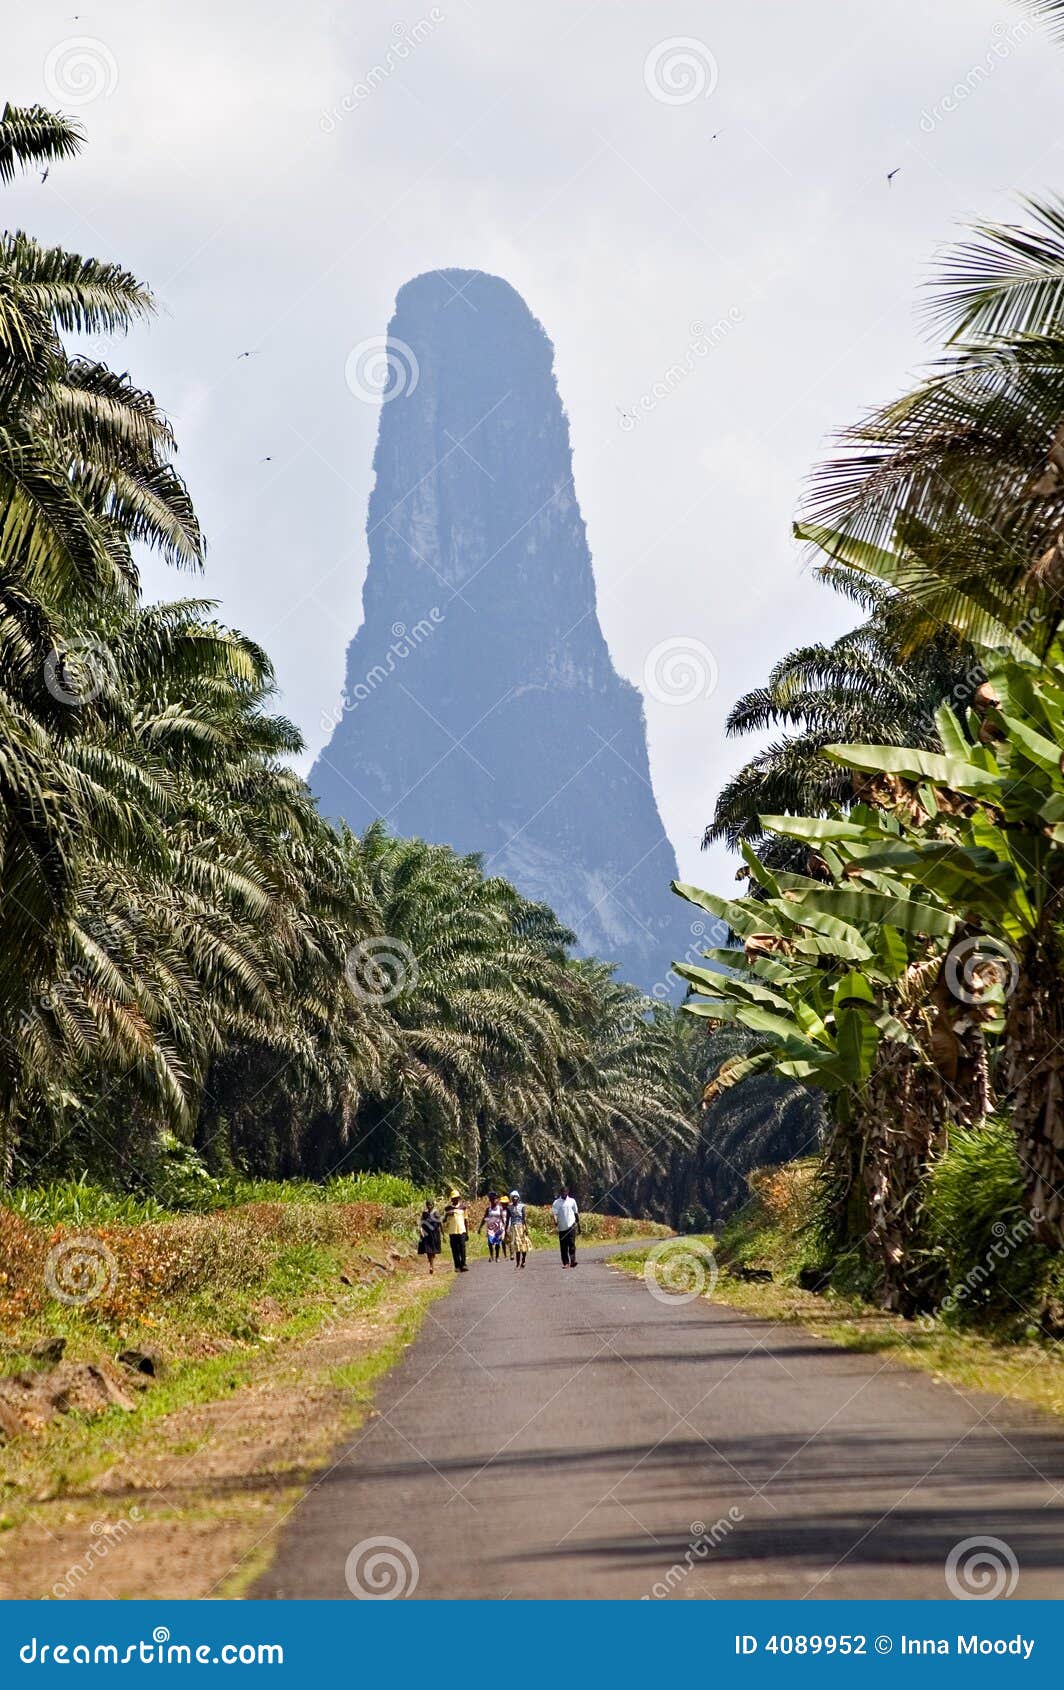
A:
x: 981, y: 827
x: 838, y: 980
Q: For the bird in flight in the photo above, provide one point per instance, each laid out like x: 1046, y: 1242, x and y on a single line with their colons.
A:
x: 246, y: 355
x: 891, y: 175
x: 45, y: 175
x: 716, y: 136
x: 265, y: 460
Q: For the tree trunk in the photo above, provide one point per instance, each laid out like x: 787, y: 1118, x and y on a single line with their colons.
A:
x: 906, y: 1128
x: 1034, y: 1075
x: 471, y: 1136
x: 912, y: 1101
x: 8, y: 1110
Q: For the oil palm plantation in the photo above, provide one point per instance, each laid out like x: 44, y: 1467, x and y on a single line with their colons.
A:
x: 185, y: 944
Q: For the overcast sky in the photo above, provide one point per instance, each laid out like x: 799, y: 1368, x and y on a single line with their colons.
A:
x: 652, y: 176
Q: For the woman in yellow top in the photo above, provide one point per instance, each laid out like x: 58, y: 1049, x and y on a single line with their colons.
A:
x: 456, y: 1227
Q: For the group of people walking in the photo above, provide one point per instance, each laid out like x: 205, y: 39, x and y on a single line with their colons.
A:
x: 505, y: 1223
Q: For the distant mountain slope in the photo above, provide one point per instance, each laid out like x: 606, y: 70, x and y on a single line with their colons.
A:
x: 482, y: 709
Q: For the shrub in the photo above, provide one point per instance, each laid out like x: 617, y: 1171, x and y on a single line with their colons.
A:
x: 176, y: 1176
x: 144, y: 1266
x: 779, y: 1225
x: 374, y: 1188
x: 978, y: 1227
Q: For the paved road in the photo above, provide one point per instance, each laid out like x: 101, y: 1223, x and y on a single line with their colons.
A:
x: 569, y: 1435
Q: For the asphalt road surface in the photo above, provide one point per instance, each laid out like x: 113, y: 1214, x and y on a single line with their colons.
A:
x: 567, y: 1434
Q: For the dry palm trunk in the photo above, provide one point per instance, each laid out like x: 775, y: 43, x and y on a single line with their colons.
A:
x: 9, y: 1070
x: 982, y: 1084
x: 471, y: 1146
x: 1034, y: 1074
x: 906, y: 1128
x: 912, y: 1101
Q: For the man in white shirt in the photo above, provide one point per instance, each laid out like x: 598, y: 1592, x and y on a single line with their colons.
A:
x: 567, y: 1220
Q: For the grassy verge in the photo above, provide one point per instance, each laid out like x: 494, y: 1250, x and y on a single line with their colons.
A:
x: 1026, y: 1371
x: 258, y: 1333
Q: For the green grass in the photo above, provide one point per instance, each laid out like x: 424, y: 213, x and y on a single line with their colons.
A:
x: 78, y: 1202
x: 360, y: 1376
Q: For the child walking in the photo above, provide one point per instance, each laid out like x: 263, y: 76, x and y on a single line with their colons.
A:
x: 494, y: 1220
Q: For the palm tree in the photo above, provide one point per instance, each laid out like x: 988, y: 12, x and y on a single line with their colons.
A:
x: 862, y: 686
x: 31, y: 135
x: 1053, y: 13
x: 84, y: 473
x: 956, y: 492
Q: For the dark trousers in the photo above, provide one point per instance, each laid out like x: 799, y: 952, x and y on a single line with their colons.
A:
x: 458, y: 1250
x: 567, y: 1246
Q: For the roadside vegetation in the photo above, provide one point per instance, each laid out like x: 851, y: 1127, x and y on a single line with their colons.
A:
x: 173, y: 1379
x: 899, y: 948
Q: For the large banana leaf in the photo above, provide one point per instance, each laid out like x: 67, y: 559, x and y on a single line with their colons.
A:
x: 957, y: 875
x: 866, y: 909
x: 842, y: 939
x: 957, y: 773
x: 1038, y: 748
x: 729, y: 986
x: 812, y: 830
x: 743, y: 916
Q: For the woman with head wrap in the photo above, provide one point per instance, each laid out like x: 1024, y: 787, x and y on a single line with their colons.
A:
x: 518, y: 1242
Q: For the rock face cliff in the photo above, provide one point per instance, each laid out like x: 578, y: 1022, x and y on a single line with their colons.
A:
x: 481, y: 708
